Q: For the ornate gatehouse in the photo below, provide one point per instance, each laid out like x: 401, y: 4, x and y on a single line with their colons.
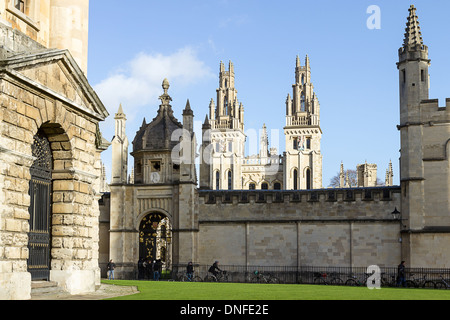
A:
x: 152, y: 215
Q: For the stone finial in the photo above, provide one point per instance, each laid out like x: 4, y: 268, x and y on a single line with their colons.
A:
x: 165, y: 98
x: 165, y: 85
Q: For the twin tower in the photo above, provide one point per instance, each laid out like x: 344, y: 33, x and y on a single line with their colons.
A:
x: 225, y: 165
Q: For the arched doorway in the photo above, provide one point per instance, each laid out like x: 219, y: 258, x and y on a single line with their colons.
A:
x: 40, y: 190
x: 155, y: 239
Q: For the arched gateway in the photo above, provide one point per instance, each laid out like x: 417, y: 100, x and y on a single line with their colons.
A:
x: 155, y: 239
x: 40, y: 190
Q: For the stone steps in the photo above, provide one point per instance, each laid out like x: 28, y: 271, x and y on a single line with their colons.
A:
x: 43, y: 288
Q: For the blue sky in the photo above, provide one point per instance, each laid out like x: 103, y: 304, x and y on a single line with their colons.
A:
x: 133, y: 46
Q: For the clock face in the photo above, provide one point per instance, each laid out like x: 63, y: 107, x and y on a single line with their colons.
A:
x: 155, y: 177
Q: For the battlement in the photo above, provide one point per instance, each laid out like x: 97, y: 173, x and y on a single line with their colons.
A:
x: 430, y: 111
x: 287, y: 196
x: 375, y: 203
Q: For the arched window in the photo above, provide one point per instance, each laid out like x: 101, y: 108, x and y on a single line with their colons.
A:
x: 295, y: 179
x: 251, y: 186
x: 230, y: 180
x: 264, y: 186
x: 277, y: 186
x: 217, y: 180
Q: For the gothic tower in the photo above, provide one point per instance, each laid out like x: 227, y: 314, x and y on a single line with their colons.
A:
x: 227, y: 134
x: 303, y: 158
x: 424, y: 161
x: 414, y: 85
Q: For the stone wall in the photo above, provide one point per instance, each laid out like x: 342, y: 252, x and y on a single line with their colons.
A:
x: 328, y: 227
x: 46, y: 91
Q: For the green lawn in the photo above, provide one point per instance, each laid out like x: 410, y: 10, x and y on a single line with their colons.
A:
x: 164, y: 290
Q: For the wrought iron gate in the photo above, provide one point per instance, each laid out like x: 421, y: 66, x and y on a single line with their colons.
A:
x: 154, y: 238
x: 40, y: 193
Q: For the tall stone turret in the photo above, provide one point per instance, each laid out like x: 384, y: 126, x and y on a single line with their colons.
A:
x: 424, y: 161
x: 303, y: 161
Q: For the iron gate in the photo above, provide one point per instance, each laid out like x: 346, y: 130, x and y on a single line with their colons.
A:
x: 40, y: 192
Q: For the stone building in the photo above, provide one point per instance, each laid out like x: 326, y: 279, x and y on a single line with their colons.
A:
x: 56, y: 226
x: 154, y: 217
x: 50, y: 148
x: 243, y: 217
x: 424, y: 163
x: 300, y: 167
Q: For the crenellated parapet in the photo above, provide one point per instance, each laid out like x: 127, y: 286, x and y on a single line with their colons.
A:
x: 280, y: 205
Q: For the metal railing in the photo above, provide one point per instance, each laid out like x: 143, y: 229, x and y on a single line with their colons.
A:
x: 415, y: 277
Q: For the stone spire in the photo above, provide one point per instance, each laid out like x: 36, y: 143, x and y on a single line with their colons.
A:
x: 187, y: 110
x: 342, y: 176
x: 389, y: 175
x: 413, y: 36
x: 264, y: 143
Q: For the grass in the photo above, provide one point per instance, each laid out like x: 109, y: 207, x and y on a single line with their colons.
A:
x: 164, y: 290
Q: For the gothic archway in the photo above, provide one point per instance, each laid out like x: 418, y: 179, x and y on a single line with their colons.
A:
x: 155, y: 239
x: 40, y: 189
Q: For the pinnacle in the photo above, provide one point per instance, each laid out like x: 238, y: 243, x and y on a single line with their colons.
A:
x: 413, y: 36
x: 187, y: 109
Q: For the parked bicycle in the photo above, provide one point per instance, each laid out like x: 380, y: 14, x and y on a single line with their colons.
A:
x: 320, y: 278
x: 221, y: 277
x: 190, y: 278
x: 184, y: 277
x: 259, y: 277
x: 442, y: 284
x: 388, y: 280
x: 331, y: 279
x: 420, y: 283
x: 354, y: 281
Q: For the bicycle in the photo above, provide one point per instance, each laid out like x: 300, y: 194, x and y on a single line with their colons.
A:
x: 320, y: 278
x: 354, y: 281
x: 385, y: 282
x: 420, y: 283
x: 332, y: 279
x: 190, y: 278
x: 184, y: 277
x: 264, y: 278
x: 335, y: 280
x: 442, y: 284
x: 221, y: 277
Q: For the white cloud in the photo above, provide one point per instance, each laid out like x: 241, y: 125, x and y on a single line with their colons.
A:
x: 139, y: 83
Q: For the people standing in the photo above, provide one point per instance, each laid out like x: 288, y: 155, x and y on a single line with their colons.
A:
x: 190, y: 271
x: 141, y: 269
x: 401, y: 275
x: 157, y: 268
x: 111, y: 266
